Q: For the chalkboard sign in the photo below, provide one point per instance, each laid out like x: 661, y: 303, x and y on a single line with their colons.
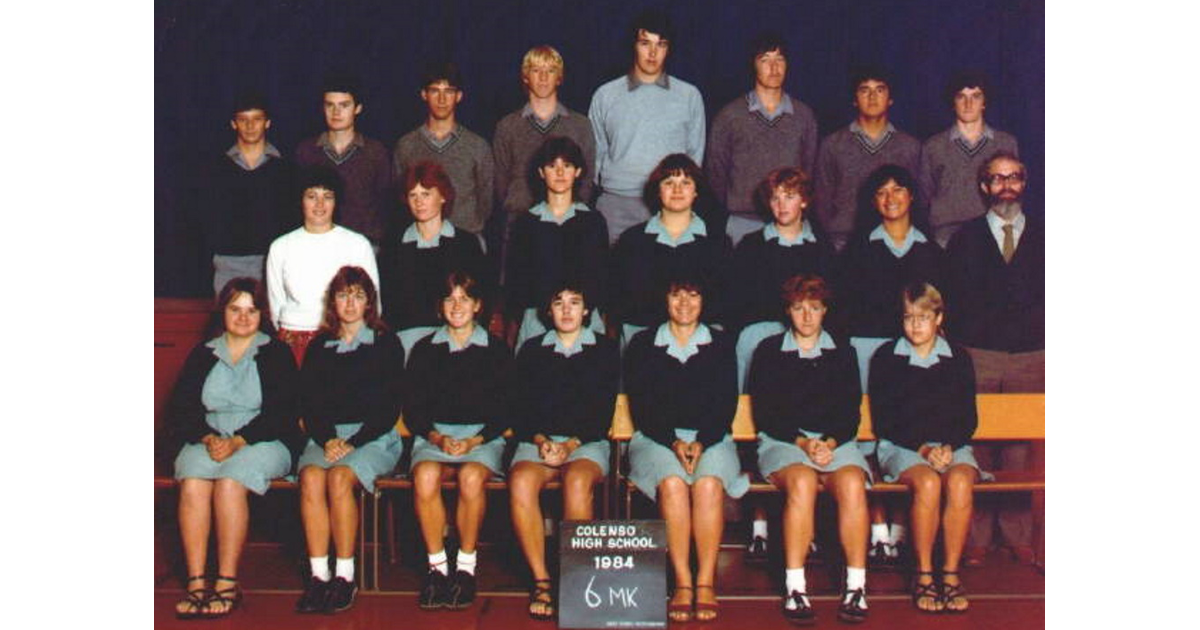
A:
x: 613, y: 574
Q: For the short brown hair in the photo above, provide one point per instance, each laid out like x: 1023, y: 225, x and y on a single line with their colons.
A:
x: 804, y: 287
x: 468, y: 283
x: 256, y: 289
x: 345, y: 278
x: 430, y: 174
x: 787, y: 178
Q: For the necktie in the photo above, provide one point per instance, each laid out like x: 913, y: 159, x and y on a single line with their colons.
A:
x: 1008, y: 248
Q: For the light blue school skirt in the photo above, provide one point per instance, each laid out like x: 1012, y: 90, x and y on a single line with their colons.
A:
x: 775, y: 455
x: 650, y: 463
x: 747, y: 343
x: 253, y: 465
x: 369, y: 461
x: 489, y: 453
x: 532, y: 327
x: 895, y: 459
x: 598, y: 451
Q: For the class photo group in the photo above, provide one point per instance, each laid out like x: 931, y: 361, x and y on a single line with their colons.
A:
x: 499, y: 295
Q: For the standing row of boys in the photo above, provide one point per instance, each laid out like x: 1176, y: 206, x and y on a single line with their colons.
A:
x: 670, y: 232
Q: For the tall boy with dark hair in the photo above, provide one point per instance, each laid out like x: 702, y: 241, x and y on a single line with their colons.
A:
x: 757, y: 133
x: 639, y: 118
x: 465, y: 156
x: 362, y: 162
x: 950, y: 159
x: 849, y: 154
x: 247, y: 198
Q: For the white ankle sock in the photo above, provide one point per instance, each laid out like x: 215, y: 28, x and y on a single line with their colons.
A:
x: 879, y: 533
x: 759, y: 529
x: 898, y: 533
x: 344, y: 568
x: 320, y: 567
x: 856, y: 578
x: 437, y: 561
x: 795, y: 582
x: 465, y: 562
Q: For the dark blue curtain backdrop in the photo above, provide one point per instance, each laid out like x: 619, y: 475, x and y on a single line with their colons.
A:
x: 207, y: 50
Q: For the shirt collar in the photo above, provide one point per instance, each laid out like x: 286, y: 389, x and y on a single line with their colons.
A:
x: 441, y: 143
x: 754, y: 104
x: 957, y: 134
x: 268, y: 152
x: 560, y: 111
x: 805, y: 236
x: 997, y: 224
x: 221, y: 348
x: 664, y: 338
x: 663, y: 81
x: 364, y: 335
x: 824, y: 342
x: 479, y: 337
x: 867, y: 141
x: 413, y: 235
x: 586, y: 338
x: 940, y: 349
x: 357, y: 143
x: 914, y: 236
x: 695, y: 228
x: 542, y: 211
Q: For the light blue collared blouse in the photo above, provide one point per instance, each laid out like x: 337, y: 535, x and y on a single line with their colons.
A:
x: 479, y: 337
x: 542, y: 211
x: 364, y: 335
x: 824, y: 342
x: 695, y: 228
x: 586, y: 338
x: 664, y: 338
x: 805, y: 236
x: 941, y: 348
x: 412, y: 235
x: 914, y: 236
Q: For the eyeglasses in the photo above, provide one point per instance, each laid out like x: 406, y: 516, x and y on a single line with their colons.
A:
x: 999, y: 178
x: 343, y: 296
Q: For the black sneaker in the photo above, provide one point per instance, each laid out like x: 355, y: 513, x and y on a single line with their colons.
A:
x: 434, y: 591
x: 757, y: 551
x: 854, y: 609
x: 462, y: 591
x: 313, y: 599
x: 803, y: 614
x: 341, y: 595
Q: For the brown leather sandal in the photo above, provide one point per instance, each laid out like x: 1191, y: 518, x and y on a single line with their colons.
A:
x: 705, y: 608
x: 681, y: 613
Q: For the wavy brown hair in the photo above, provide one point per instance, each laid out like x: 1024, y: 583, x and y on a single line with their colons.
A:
x: 349, y: 277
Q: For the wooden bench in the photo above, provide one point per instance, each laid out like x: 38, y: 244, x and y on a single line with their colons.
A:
x: 1001, y: 417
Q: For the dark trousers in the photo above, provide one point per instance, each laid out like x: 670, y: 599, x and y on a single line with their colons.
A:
x: 1005, y: 372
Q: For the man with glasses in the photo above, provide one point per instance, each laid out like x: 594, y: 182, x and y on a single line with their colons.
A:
x: 951, y: 158
x: 998, y: 312
x: 465, y: 156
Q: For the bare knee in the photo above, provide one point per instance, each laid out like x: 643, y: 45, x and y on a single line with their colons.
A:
x: 799, y: 482
x: 524, y: 485
x: 341, y: 482
x: 926, y: 487
x: 225, y: 489
x: 708, y: 490
x: 673, y: 492
x: 195, y: 491
x: 960, y: 486
x: 471, y: 478
x: 850, y: 486
x: 427, y: 480
x: 579, y: 483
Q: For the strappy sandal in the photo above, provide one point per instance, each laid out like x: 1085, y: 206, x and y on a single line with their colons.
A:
x: 706, y: 607
x: 930, y: 591
x: 950, y: 592
x: 196, y: 600
x: 681, y: 613
x: 230, y: 599
x: 542, y: 596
